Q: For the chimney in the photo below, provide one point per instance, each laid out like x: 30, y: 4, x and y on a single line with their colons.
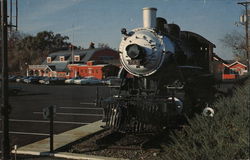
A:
x: 149, y: 17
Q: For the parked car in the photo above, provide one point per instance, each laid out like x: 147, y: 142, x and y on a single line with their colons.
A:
x: 12, y: 78
x: 90, y: 80
x: 52, y: 80
x: 113, y: 81
x: 32, y: 79
x: 71, y: 80
x: 78, y: 81
x: 21, y: 78
x: 57, y: 80
x: 44, y: 80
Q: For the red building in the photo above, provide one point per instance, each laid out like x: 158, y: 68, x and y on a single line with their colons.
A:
x: 238, y: 67
x: 226, y: 71
x: 234, y: 70
x: 219, y: 66
x: 68, y: 63
x: 93, y: 69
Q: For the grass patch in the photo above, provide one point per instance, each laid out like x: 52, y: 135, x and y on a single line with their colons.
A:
x: 224, y: 136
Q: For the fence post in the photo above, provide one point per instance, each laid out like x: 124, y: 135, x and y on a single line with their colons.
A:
x: 51, y: 130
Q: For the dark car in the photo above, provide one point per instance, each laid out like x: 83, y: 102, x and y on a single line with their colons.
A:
x: 12, y: 78
x: 113, y: 81
x: 58, y: 80
x: 20, y: 78
x: 52, y: 80
x: 32, y: 79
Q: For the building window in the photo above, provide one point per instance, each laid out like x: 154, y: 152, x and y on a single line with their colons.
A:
x: 61, y: 58
x: 76, y: 58
x: 90, y: 70
x: 48, y: 59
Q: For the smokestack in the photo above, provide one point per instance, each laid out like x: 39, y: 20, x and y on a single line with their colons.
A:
x: 149, y: 17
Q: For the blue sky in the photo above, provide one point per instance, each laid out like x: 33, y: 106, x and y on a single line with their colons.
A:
x: 100, y: 21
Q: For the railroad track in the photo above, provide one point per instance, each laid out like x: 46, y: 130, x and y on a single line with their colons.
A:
x: 124, y: 145
x: 127, y: 141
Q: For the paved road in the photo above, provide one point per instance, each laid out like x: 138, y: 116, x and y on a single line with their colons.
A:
x: 75, y: 107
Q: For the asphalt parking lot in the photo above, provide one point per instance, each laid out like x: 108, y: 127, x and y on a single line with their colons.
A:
x: 75, y: 106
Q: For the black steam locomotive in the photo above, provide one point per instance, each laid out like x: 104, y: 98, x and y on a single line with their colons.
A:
x: 165, y: 74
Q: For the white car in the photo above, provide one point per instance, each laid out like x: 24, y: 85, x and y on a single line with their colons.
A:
x: 44, y: 80
x: 113, y: 81
x: 78, y: 81
x: 90, y: 80
x: 71, y: 80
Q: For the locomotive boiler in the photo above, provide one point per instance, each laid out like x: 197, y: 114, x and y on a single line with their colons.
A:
x: 166, y: 73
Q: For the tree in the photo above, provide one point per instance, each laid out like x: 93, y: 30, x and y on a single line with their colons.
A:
x: 103, y: 45
x: 28, y: 49
x: 236, y: 42
x: 91, y: 45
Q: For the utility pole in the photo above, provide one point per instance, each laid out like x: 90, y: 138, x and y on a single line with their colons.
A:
x: 13, y: 13
x: 10, y: 21
x: 5, y: 109
x: 246, y: 21
x: 16, y: 15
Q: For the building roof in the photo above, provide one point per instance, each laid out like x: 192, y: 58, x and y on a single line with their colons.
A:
x: 38, y: 67
x: 241, y: 61
x: 236, y: 62
x: 85, y: 55
x: 59, y: 67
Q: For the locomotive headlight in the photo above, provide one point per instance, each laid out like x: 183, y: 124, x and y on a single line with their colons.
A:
x: 134, y: 51
x: 143, y: 52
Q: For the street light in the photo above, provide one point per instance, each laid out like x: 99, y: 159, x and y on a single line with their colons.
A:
x: 27, y: 69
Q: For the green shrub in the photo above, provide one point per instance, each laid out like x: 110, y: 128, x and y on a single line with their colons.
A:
x: 222, y: 137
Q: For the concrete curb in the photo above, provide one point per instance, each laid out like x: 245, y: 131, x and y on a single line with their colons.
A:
x: 41, y: 148
x: 64, y: 138
x: 84, y: 156
x: 68, y: 155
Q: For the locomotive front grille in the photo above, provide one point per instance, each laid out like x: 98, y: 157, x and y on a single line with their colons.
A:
x: 139, y: 114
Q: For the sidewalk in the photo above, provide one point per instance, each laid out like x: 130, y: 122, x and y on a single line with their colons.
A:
x: 41, y: 148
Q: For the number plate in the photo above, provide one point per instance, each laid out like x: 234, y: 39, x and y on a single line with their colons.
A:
x: 134, y: 62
